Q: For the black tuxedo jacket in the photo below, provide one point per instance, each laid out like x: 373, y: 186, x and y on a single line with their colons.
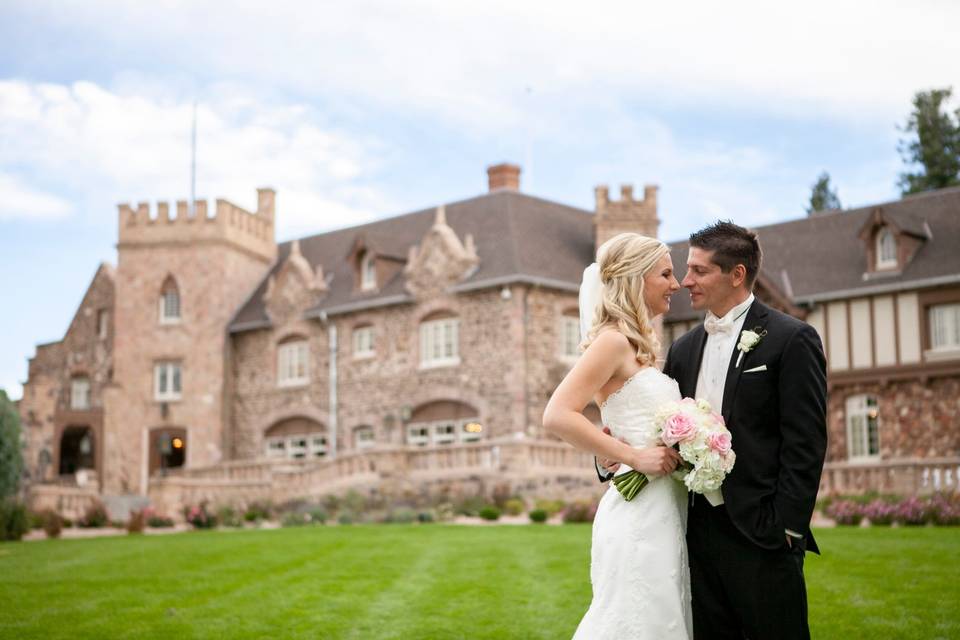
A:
x: 777, y: 417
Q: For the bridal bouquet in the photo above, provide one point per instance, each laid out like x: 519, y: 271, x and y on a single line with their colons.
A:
x: 701, y: 436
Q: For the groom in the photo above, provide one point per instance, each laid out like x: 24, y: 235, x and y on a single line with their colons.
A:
x: 747, y: 541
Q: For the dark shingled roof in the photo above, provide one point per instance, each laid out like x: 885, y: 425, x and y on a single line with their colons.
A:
x: 518, y: 237
x: 523, y: 238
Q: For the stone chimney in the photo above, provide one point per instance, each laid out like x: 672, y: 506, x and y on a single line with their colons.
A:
x: 504, y: 176
x: 614, y: 217
x: 266, y: 198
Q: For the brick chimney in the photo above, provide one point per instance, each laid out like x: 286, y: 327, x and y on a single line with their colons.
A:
x: 504, y: 176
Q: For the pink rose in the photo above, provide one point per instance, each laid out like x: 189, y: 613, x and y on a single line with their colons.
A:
x: 678, y: 428
x: 720, y: 442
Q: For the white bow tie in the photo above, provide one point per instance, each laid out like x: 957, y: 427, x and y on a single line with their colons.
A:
x: 717, y: 325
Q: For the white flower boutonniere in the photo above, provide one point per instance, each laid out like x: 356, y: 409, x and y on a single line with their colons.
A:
x: 748, y: 340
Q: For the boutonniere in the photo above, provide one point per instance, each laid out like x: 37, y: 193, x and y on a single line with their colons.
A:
x: 748, y: 340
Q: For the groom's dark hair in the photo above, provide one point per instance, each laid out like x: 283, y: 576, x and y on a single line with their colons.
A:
x: 731, y: 245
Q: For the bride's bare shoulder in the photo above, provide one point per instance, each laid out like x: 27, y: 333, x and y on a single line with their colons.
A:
x: 609, y: 339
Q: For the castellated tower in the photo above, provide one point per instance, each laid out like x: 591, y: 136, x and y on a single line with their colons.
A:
x: 626, y: 214
x: 179, y: 281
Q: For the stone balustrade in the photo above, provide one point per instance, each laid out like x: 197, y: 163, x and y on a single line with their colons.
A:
x: 905, y: 477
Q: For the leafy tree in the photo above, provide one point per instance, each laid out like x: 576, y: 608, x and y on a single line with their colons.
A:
x: 11, y: 458
x: 933, y: 143
x: 822, y: 197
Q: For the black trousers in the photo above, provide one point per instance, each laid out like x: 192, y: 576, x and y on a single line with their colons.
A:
x: 741, y: 590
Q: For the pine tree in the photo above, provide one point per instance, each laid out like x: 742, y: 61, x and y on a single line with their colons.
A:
x: 822, y: 197
x: 933, y: 143
x: 11, y: 458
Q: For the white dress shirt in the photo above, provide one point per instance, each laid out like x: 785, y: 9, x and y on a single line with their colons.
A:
x: 724, y: 334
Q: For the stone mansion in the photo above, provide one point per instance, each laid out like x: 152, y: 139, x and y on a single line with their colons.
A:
x: 417, y: 352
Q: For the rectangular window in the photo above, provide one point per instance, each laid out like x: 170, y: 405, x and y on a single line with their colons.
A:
x: 318, y: 446
x: 863, y: 433
x: 292, y: 364
x: 80, y: 394
x: 364, y: 438
x: 363, y: 342
x: 103, y: 318
x: 440, y: 342
x: 297, y: 447
x: 945, y: 327
x: 368, y: 276
x: 276, y: 448
x: 167, y: 384
x: 570, y: 336
x: 444, y: 433
x: 418, y: 435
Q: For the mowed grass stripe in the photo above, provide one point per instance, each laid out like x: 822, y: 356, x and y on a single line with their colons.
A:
x: 437, y: 581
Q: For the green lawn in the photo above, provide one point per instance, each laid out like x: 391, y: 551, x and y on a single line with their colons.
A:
x: 434, y: 581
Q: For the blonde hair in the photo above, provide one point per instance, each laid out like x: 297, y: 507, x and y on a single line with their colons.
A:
x: 624, y: 260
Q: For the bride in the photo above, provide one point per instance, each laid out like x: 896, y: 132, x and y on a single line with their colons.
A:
x: 638, y: 566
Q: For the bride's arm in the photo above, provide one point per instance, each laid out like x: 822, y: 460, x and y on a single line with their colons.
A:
x: 564, y: 417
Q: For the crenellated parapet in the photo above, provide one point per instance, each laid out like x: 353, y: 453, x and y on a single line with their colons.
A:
x: 626, y: 214
x: 227, y: 222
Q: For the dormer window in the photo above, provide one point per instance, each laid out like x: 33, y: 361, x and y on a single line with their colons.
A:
x: 886, y: 249
x: 368, y: 272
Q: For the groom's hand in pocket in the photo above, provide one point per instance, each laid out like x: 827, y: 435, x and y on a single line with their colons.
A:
x: 608, y: 464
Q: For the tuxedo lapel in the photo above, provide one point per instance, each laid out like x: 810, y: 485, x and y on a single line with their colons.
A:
x: 756, y: 317
x: 696, y: 359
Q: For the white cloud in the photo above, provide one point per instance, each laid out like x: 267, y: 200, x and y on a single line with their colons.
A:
x: 108, y: 146
x: 471, y: 62
x: 23, y: 201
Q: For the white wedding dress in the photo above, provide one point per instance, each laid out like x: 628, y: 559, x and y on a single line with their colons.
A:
x: 638, y: 568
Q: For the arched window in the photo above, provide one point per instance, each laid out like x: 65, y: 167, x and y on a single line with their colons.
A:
x: 863, y: 430
x: 293, y: 362
x: 440, y: 341
x: 368, y: 271
x: 444, y: 422
x: 886, y: 249
x: 80, y: 393
x: 169, y: 302
x: 297, y: 438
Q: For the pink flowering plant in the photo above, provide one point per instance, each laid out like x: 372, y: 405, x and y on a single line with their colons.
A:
x: 705, y: 445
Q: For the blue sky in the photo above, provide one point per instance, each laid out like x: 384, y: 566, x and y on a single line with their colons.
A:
x: 362, y: 110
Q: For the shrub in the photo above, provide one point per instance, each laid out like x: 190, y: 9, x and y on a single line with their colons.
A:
x: 256, y: 512
x: 914, y: 511
x: 318, y: 515
x: 159, y: 522
x: 36, y: 519
x: 199, y: 517
x: 550, y: 506
x: 295, y: 519
x: 67, y: 523
x: 444, y: 511
x: 879, y: 512
x: 470, y: 505
x: 94, y: 517
x: 14, y: 523
x: 501, y: 493
x: 228, y: 517
x: 490, y: 513
x: 425, y: 517
x: 401, y: 515
x: 52, y: 523
x: 538, y: 515
x: 514, y: 506
x: 346, y: 518
x: 845, y: 512
x: 137, y: 522
x: 579, y: 512
x: 945, y: 509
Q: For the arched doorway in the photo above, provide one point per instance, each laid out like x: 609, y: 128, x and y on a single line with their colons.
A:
x: 443, y: 422
x: 76, y: 450
x: 168, y: 448
x: 297, y: 438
